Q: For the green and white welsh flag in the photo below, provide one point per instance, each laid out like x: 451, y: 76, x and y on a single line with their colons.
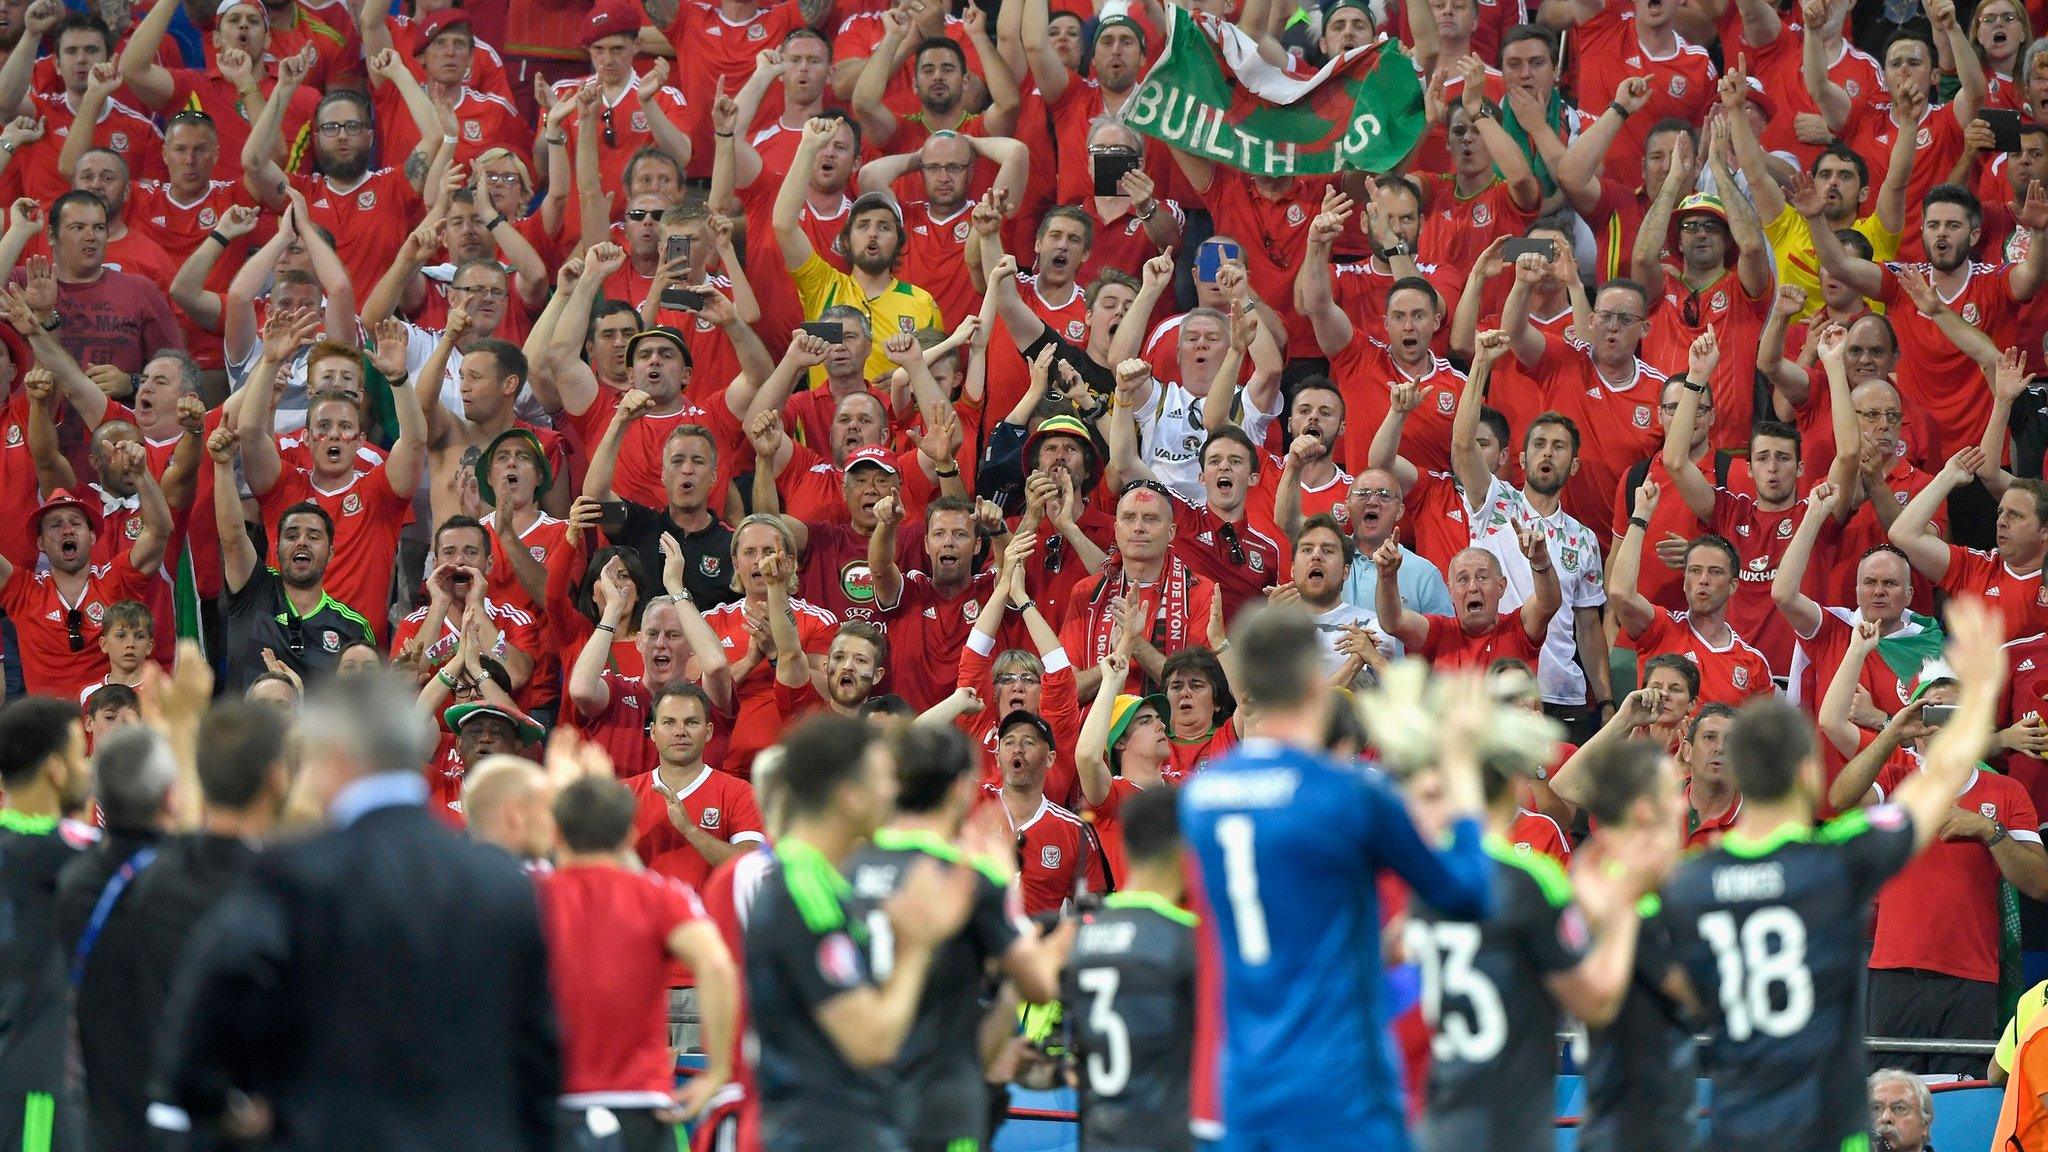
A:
x: 1212, y: 95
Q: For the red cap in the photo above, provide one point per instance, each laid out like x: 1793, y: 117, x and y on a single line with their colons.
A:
x: 435, y: 23
x: 610, y: 18
x: 64, y: 499
x: 872, y: 454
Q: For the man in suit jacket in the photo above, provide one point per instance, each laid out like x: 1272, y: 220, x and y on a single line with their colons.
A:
x: 383, y: 985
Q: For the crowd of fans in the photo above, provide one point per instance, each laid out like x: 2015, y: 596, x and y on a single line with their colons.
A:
x: 669, y: 372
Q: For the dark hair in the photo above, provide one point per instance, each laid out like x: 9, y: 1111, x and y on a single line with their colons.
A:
x: 306, y: 508
x: 1708, y: 711
x: 810, y: 33
x: 1775, y: 430
x: 636, y: 571
x: 1233, y: 434
x: 820, y: 755
x: 948, y: 504
x: 1678, y: 662
x: 1315, y: 383
x: 1282, y: 644
x: 683, y: 689
x: 2038, y: 491
x: 852, y: 125
x: 887, y: 704
x: 1843, y: 152
x: 1710, y: 540
x: 1072, y: 213
x: 129, y: 613
x: 1858, y: 245
x: 1617, y: 774
x: 1557, y: 419
x: 32, y: 729
x: 112, y: 698
x: 929, y: 761
x: 1954, y: 194
x: 1328, y: 523
x: 345, y: 96
x: 1416, y: 284
x: 1626, y: 285
x: 458, y: 523
x: 644, y: 154
x: 1915, y: 33
x: 511, y: 361
x: 244, y: 742
x: 1151, y: 826
x: 595, y: 814
x: 939, y: 44
x: 1496, y: 420
x: 82, y: 22
x: 1536, y: 32
x: 1767, y: 744
x: 76, y: 196
x: 1672, y: 124
x: 1202, y: 660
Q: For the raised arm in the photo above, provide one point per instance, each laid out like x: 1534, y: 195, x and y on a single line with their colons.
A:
x: 238, y: 552
x: 877, y: 122
x: 1091, y: 748
x: 1646, y: 259
x: 789, y: 199
x: 714, y: 672
x: 1578, y: 174
x: 1913, y: 532
x: 1385, y: 451
x: 1798, y: 609
x: 1831, y: 98
x: 1313, y: 294
x: 1971, y: 85
x: 151, y: 82
x: 1632, y: 610
x: 1468, y: 464
x: 260, y: 170
x: 1748, y: 152
x: 882, y: 566
x: 1408, y: 626
x: 407, y: 460
x: 1693, y: 486
x: 1862, y: 275
x: 613, y: 592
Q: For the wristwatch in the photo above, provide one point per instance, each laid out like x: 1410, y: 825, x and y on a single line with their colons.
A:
x: 1997, y: 835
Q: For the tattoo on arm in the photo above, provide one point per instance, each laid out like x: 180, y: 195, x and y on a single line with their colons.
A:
x: 660, y: 13
x: 416, y: 167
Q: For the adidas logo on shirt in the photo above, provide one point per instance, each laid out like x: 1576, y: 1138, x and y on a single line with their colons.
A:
x: 2026, y: 665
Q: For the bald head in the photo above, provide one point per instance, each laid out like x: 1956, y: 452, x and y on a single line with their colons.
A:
x: 505, y: 801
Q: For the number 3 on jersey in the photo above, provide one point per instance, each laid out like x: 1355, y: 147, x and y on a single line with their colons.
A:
x: 1241, y: 884
x: 1765, y: 984
x: 1444, y: 951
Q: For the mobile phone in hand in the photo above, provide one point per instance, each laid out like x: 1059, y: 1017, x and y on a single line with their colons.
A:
x: 830, y: 331
x: 1110, y: 166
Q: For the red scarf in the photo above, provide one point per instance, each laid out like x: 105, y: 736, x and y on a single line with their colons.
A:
x: 1169, y: 619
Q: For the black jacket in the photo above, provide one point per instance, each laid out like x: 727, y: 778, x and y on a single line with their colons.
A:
x: 115, y: 1052
x: 383, y: 986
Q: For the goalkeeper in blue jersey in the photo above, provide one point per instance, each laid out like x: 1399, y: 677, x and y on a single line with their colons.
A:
x: 1288, y: 840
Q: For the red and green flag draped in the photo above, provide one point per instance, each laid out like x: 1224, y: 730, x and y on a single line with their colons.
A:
x: 1211, y: 94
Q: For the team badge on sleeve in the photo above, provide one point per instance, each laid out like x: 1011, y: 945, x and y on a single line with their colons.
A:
x: 839, y: 961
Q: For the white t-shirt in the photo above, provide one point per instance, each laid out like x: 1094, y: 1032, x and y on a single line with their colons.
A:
x: 1170, y: 435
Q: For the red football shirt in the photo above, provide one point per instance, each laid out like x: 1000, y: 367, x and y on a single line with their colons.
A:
x: 1617, y: 422
x: 720, y: 804
x: 1457, y: 228
x: 1933, y: 376
x: 927, y: 634
x: 1728, y: 675
x: 607, y: 933
x: 1760, y: 538
x: 1955, y: 882
x: 1535, y: 832
x: 206, y: 90
x: 1365, y: 373
x: 49, y: 664
x: 1243, y: 560
x: 369, y: 220
x: 1057, y: 703
x: 1608, y: 52
x: 759, y: 723
x: 1449, y: 646
x: 621, y: 729
x: 638, y: 473
x: 2019, y: 598
x: 1739, y: 320
x: 1052, y: 850
x: 120, y: 129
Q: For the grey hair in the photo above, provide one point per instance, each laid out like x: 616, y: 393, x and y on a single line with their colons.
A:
x: 2035, y: 51
x: 133, y: 770
x: 189, y: 371
x: 850, y: 316
x: 1116, y: 122
x: 1922, y: 1098
x: 372, y: 720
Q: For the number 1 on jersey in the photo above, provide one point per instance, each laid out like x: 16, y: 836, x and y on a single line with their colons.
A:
x: 1765, y: 984
x: 1241, y: 884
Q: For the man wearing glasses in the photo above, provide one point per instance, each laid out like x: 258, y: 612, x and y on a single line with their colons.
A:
x: 58, y: 612
x: 1374, y: 508
x: 1598, y: 379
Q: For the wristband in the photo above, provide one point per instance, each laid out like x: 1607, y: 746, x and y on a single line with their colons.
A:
x: 944, y: 474
x: 612, y: 628
x: 53, y: 323
x: 1694, y: 388
x: 444, y: 679
x: 495, y: 221
x: 8, y: 146
x: 1639, y: 522
x: 562, y: 140
x: 1618, y: 110
x: 219, y: 239
x: 1026, y: 606
x: 723, y: 135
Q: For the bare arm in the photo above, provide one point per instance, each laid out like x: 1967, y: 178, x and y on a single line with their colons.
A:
x: 1913, y: 532
x: 1631, y: 610
x: 1410, y: 627
x: 150, y: 81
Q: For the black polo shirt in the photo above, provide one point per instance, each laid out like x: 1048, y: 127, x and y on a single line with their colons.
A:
x: 259, y: 617
x: 707, y: 555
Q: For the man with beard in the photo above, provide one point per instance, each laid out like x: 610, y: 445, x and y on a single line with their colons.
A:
x: 102, y: 315
x: 1153, y: 597
x: 857, y: 661
x: 1388, y: 232
x: 286, y: 610
x: 1480, y: 632
x: 929, y: 613
x: 1349, y: 633
x: 689, y: 817
x: 1107, y: 302
x: 1709, y: 295
x: 44, y: 768
x: 613, y: 710
x: 1987, y: 296
x: 367, y: 507
x: 1374, y: 508
x: 934, y: 252
x: 872, y: 240
x: 1760, y: 526
x: 1040, y: 682
x: 88, y: 80
x: 241, y: 75
x: 939, y: 81
x: 764, y: 565
x: 1058, y: 856
x: 1601, y: 382
x: 1731, y: 671
x: 368, y: 212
